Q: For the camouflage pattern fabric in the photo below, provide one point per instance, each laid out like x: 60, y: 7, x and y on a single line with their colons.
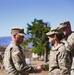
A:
x: 14, y: 61
x: 60, y: 61
x: 70, y: 40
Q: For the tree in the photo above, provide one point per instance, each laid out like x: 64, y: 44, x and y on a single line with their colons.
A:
x: 25, y: 43
x: 38, y: 31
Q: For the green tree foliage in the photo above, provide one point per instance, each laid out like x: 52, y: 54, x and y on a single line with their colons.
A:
x: 38, y: 30
x: 24, y: 44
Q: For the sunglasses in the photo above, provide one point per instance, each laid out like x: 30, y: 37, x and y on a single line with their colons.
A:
x: 51, y: 35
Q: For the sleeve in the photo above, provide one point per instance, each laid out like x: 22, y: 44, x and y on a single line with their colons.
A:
x: 64, y: 61
x: 19, y: 62
x: 70, y: 41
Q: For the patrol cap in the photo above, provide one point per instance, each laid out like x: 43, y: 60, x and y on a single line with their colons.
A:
x: 54, y: 28
x: 54, y: 31
x: 64, y: 24
x: 17, y: 30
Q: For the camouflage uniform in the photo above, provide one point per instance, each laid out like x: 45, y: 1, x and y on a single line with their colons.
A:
x: 14, y: 58
x: 14, y: 61
x: 69, y: 43
x: 60, y: 59
x: 70, y: 46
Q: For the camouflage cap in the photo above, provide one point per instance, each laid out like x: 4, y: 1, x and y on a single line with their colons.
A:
x: 64, y: 24
x: 19, y: 31
x: 54, y: 31
x: 54, y: 28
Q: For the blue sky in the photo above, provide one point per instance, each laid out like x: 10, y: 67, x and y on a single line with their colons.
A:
x: 17, y: 13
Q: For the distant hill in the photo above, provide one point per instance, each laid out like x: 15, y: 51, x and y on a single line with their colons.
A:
x: 5, y: 41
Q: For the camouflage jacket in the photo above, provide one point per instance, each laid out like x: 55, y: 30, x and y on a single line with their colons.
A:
x: 69, y: 41
x: 60, y: 61
x: 14, y: 61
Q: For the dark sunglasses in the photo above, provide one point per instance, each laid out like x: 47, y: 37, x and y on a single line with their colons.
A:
x: 51, y: 35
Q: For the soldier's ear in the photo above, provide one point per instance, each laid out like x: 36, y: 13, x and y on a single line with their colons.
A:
x: 14, y: 35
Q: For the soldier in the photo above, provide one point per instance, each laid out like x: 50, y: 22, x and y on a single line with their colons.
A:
x: 69, y: 37
x: 14, y: 58
x: 60, y: 59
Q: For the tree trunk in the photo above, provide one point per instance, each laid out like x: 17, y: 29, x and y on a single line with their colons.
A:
x: 45, y: 55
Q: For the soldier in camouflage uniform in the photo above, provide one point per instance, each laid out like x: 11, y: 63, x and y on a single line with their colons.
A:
x: 60, y: 59
x: 69, y: 37
x: 14, y: 58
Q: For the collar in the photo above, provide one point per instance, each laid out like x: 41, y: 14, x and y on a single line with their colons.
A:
x: 56, y: 48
